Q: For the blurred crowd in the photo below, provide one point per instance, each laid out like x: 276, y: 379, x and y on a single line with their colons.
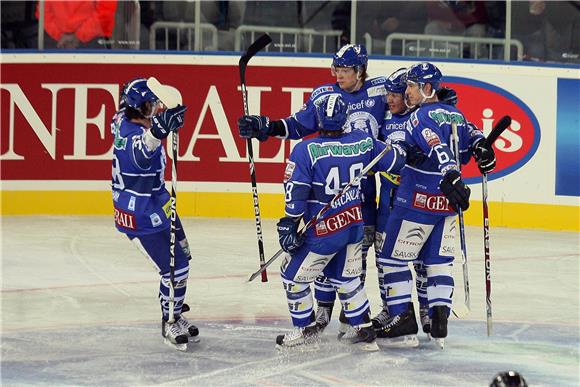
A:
x: 548, y: 30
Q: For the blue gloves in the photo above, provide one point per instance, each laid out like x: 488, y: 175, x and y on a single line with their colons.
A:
x: 485, y: 157
x: 254, y: 127
x: 456, y: 192
x: 169, y: 120
x: 288, y: 234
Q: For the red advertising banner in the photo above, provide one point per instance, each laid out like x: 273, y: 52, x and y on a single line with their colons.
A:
x: 55, y: 118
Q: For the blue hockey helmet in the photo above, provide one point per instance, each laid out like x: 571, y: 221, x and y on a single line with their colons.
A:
x: 331, y: 112
x: 447, y: 95
x: 351, y: 55
x: 395, y: 82
x: 508, y: 379
x: 424, y: 72
x: 136, y: 93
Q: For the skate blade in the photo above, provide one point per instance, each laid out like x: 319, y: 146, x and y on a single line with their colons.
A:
x: 439, y: 343
x: 408, y: 341
x: 367, y: 347
x: 179, y: 347
x: 194, y: 339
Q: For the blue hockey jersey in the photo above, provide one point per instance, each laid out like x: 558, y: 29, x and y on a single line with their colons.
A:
x: 366, y: 109
x: 142, y: 204
x: 317, y: 170
x: 428, y: 133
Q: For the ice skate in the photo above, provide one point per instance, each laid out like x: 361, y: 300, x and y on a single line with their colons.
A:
x: 188, y: 327
x: 400, y: 331
x: 174, y: 336
x: 439, y: 325
x: 298, y: 337
x: 425, y: 319
x: 344, y: 326
x: 362, y: 337
x: 380, y: 320
x: 323, y: 315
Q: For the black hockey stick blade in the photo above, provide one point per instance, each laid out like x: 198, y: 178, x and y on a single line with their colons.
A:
x: 498, y: 129
x: 254, y: 48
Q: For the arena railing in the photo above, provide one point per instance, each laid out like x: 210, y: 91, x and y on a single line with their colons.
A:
x: 183, y: 31
x: 444, y: 46
x: 288, y: 39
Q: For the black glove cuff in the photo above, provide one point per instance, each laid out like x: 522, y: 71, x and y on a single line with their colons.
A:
x: 277, y: 128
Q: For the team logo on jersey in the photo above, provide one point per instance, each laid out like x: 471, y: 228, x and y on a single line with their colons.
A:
x: 431, y: 137
x: 289, y: 171
x: 362, y: 120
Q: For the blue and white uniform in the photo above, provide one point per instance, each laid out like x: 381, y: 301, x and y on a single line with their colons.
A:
x: 421, y: 220
x: 142, y: 205
x: 317, y: 169
x: 366, y: 113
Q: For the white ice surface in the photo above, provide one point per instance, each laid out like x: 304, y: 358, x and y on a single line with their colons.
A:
x: 79, y: 307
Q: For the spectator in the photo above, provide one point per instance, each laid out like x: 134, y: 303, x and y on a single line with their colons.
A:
x: 548, y: 30
x: 463, y: 18
x: 78, y: 24
x: 19, y: 26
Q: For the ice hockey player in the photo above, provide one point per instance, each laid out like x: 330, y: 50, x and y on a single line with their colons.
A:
x: 140, y: 200
x: 392, y: 130
x: 317, y: 170
x: 366, y: 102
x: 423, y: 216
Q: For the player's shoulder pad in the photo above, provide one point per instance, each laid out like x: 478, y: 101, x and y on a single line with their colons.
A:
x: 321, y: 90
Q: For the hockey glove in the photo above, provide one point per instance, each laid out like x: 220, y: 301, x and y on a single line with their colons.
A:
x: 254, y: 127
x: 485, y: 157
x: 456, y: 192
x: 447, y: 95
x: 169, y: 120
x: 288, y: 234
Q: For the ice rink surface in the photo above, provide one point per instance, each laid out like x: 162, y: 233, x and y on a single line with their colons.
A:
x: 79, y: 307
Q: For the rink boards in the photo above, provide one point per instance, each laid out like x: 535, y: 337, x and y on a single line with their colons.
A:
x: 56, y: 144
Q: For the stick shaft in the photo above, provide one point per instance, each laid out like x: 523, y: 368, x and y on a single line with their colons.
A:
x: 461, y: 223
x: 487, y: 258
x: 172, y: 231
x: 258, y: 45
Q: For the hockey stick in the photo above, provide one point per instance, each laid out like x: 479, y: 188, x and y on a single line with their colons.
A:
x: 502, y: 125
x: 258, y: 45
x: 171, y: 98
x: 461, y: 225
x: 317, y: 217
